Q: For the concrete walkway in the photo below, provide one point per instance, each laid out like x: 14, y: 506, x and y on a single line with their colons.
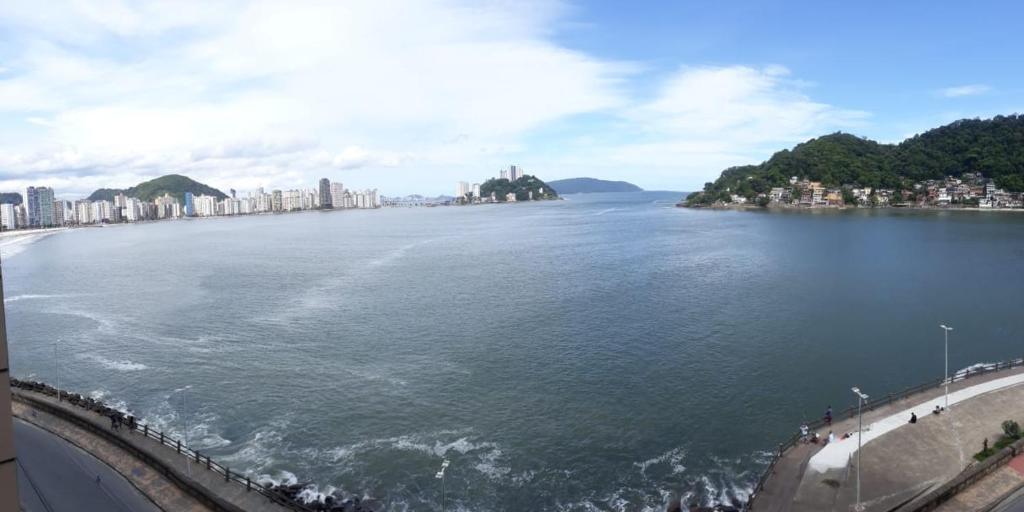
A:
x: 158, y: 487
x: 901, y: 461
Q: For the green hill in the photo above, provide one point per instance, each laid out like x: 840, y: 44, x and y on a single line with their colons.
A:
x: 174, y: 184
x: 522, y: 188
x: 993, y: 147
x: 589, y: 185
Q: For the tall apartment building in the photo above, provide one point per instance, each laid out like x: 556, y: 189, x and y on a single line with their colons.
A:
x: 337, y: 194
x: 277, y: 201
x: 326, y: 201
x: 8, y: 218
x: 39, y: 206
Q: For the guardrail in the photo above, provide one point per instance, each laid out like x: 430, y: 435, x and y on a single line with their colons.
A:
x: 968, y: 477
x: 851, y: 411
x: 198, y: 491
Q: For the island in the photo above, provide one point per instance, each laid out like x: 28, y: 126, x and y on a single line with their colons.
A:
x: 592, y: 185
x: 524, y: 188
x: 970, y: 163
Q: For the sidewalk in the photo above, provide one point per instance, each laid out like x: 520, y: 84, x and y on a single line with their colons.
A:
x: 905, y: 460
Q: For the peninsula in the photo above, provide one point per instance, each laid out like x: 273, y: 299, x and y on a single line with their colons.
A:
x: 968, y: 163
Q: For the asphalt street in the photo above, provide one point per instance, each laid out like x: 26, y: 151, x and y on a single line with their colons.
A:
x: 57, y: 476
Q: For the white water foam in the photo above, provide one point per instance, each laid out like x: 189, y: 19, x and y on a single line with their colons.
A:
x: 15, y: 244
x: 31, y: 296
x: 123, y: 365
x: 672, y: 458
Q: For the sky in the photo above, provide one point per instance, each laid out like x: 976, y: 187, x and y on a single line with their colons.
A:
x: 414, y: 96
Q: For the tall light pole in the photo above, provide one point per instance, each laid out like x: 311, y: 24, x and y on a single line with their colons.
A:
x: 945, y: 331
x: 861, y: 398
x: 184, y: 417
x: 56, y: 364
x: 440, y: 476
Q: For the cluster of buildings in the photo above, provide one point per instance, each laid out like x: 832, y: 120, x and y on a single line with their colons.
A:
x: 969, y: 190
x: 467, y: 193
x: 41, y: 210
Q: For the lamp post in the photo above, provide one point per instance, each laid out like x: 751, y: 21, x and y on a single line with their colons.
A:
x: 56, y: 364
x: 861, y: 398
x: 184, y: 417
x: 945, y: 331
x: 440, y: 476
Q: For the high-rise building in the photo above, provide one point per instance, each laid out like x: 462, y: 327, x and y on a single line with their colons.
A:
x: 83, y: 211
x: 337, y: 194
x: 277, y: 201
x: 39, y: 206
x: 462, y: 189
x: 326, y: 201
x: 190, y: 207
x: 476, y: 190
x: 8, y: 218
x: 515, y: 172
x: 503, y: 174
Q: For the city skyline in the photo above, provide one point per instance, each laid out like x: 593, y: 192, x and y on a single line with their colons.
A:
x: 664, y: 96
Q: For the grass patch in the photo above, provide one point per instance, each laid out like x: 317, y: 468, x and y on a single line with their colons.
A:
x: 989, y: 451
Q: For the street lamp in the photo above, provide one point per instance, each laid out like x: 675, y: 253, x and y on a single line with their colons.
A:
x: 56, y: 364
x: 440, y: 476
x: 861, y: 398
x: 184, y: 417
x: 945, y: 331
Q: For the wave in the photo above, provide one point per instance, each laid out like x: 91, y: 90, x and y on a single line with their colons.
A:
x: 607, y: 210
x: 111, y: 364
x: 16, y: 244
x: 31, y: 296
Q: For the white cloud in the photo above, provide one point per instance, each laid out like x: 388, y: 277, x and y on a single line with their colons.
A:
x: 704, y: 119
x: 409, y: 97
x: 183, y: 84
x: 964, y: 90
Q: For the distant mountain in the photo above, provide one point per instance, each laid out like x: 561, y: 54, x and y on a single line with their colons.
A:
x: 588, y: 185
x: 174, y: 184
x: 10, y: 198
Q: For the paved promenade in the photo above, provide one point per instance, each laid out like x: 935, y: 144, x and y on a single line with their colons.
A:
x: 158, y: 487
x: 900, y: 460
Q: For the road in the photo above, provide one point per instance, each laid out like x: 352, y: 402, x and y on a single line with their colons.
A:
x: 56, y: 476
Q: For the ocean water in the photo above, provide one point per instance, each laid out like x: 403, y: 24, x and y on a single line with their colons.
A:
x: 598, y: 353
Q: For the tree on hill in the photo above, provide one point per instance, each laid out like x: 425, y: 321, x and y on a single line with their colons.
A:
x: 993, y: 147
x: 174, y: 184
x: 522, y: 187
x: 10, y: 198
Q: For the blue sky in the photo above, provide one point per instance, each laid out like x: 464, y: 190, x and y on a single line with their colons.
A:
x: 410, y: 97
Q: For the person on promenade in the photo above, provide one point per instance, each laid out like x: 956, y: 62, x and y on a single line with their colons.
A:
x: 828, y: 415
x: 913, y: 418
x: 831, y: 437
x: 804, y: 433
x: 937, y: 410
x: 113, y: 422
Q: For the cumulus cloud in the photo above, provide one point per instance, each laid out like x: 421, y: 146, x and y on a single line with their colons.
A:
x: 964, y: 90
x: 239, y: 82
x: 403, y: 96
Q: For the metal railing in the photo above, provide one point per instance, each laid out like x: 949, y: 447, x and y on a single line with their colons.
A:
x: 204, y: 461
x: 851, y: 411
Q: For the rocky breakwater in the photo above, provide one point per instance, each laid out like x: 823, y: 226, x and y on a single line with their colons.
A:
x: 299, y: 496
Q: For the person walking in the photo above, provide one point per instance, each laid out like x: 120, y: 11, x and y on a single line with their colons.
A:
x: 828, y: 416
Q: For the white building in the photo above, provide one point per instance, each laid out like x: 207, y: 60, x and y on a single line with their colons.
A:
x: 83, y: 211
x: 462, y: 189
x: 8, y: 219
x: 337, y: 194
